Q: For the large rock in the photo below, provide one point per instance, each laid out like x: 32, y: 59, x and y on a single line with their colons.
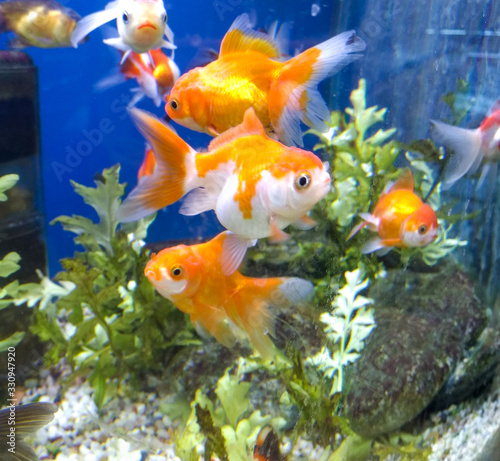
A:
x: 424, y: 323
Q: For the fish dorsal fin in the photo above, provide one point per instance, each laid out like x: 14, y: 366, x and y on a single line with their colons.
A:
x: 494, y: 107
x: 250, y: 125
x: 241, y: 37
x: 404, y: 182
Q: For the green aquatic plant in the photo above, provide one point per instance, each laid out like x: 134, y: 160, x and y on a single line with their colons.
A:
x: 224, y: 425
x: 347, y: 327
x: 105, y: 317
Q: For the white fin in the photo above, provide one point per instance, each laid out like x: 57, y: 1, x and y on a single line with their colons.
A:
x: 118, y: 43
x: 292, y: 291
x: 465, y: 146
x: 370, y: 219
x: 93, y: 21
x: 234, y: 249
x: 169, y: 34
x: 304, y: 223
x: 168, y: 45
x: 488, y: 177
x: 139, y: 94
x: 383, y: 251
x: 373, y: 245
x: 198, y: 201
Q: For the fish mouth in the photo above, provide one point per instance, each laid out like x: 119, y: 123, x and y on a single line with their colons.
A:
x: 151, y: 273
x: 147, y: 24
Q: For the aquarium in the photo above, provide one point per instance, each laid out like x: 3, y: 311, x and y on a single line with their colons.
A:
x: 244, y: 230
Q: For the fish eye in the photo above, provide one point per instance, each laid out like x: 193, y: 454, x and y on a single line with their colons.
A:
x: 176, y: 271
x: 164, y: 18
x: 174, y: 104
x: 422, y: 229
x: 302, y: 180
x: 125, y: 17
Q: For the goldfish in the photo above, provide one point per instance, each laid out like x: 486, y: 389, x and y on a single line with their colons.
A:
x: 256, y: 185
x: 471, y: 148
x: 228, y: 307
x: 141, y: 24
x: 19, y: 421
x: 400, y: 218
x: 40, y: 23
x: 267, y: 446
x: 249, y: 73
x: 155, y: 73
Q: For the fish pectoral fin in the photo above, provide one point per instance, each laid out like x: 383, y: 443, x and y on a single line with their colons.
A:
x: 234, y: 249
x: 212, y: 132
x: 93, y: 21
x: 168, y: 46
x: 119, y: 44
x: 277, y: 235
x: 305, y: 223
x: 379, y: 244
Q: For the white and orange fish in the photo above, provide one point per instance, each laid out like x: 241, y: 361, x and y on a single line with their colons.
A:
x: 141, y: 24
x: 248, y: 73
x: 471, y: 148
x: 400, y: 219
x: 226, y: 307
x: 256, y: 185
x: 155, y: 73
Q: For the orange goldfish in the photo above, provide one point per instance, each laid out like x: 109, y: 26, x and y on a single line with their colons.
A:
x: 400, y: 218
x: 141, y: 25
x: 248, y: 73
x: 256, y: 185
x: 227, y: 307
x: 40, y: 23
x: 471, y: 148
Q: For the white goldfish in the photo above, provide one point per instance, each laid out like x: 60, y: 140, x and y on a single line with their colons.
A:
x: 142, y: 25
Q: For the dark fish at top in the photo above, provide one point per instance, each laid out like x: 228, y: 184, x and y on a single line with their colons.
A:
x: 40, y: 23
x: 28, y: 419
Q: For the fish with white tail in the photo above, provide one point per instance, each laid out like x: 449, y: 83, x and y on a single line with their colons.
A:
x: 471, y: 148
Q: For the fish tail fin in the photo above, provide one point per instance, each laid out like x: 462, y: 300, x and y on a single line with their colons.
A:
x: 29, y: 418
x: 294, y: 95
x: 169, y: 181
x: 254, y: 314
x: 465, y: 147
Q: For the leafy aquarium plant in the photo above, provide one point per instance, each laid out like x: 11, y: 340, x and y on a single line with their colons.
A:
x: 104, y: 317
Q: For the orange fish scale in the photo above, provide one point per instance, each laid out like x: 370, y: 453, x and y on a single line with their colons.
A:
x: 393, y: 209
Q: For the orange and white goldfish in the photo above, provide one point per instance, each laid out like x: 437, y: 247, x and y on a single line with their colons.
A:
x: 256, y: 185
x: 40, y: 23
x: 155, y: 73
x: 142, y: 25
x: 400, y: 218
x: 248, y: 73
x: 19, y: 421
x: 471, y: 147
x: 227, y: 307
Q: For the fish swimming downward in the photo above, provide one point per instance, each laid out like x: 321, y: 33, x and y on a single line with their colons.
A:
x: 248, y: 73
x: 142, y: 25
x: 400, y: 218
x: 28, y: 419
x: 154, y: 72
x: 40, y: 23
x: 228, y: 307
x: 471, y: 148
x: 256, y: 185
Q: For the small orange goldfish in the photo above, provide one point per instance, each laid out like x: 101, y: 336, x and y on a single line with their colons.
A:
x: 141, y: 25
x: 400, y: 218
x: 267, y: 446
x: 40, y: 23
x: 155, y: 73
x: 227, y: 307
x: 248, y: 73
x: 471, y: 148
x: 256, y: 185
